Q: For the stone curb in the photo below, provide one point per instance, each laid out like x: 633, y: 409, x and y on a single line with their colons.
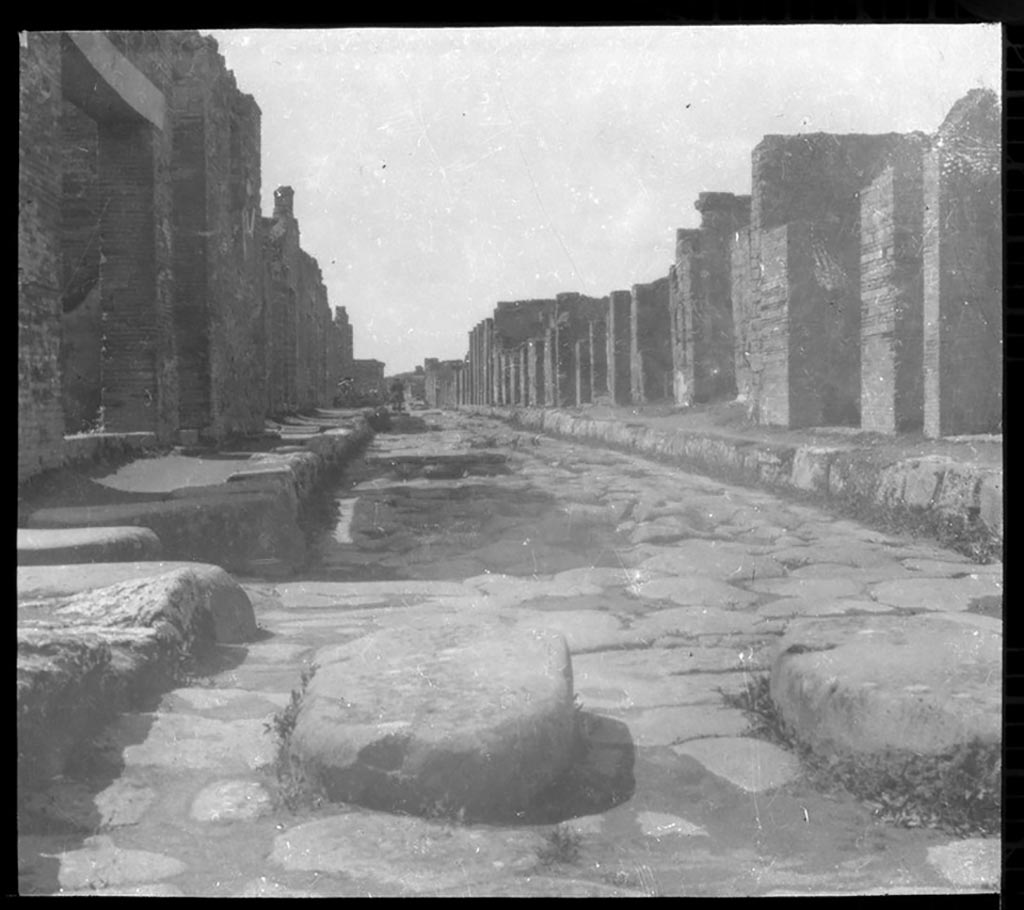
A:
x: 85, y: 657
x: 38, y: 547
x: 922, y: 492
x: 251, y: 522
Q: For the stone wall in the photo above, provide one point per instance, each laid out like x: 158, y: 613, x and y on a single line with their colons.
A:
x: 40, y: 419
x: 858, y: 285
x: 368, y: 378
x: 81, y: 331
x: 651, y: 372
x: 152, y: 295
x: 963, y: 271
x: 745, y: 267
x: 892, y: 307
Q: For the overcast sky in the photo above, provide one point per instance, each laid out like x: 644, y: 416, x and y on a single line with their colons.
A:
x: 438, y: 171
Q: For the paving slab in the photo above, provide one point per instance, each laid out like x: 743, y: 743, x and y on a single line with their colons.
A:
x: 411, y: 854
x: 750, y: 764
x: 705, y: 557
x: 666, y: 726
x: 693, y: 589
x: 100, y: 863
x: 470, y: 716
x: 937, y: 593
x: 974, y: 862
x: 922, y: 683
x: 64, y: 546
x: 231, y: 800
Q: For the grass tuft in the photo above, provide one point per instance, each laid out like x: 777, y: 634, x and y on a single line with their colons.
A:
x: 957, y: 791
x: 295, y: 788
x: 562, y: 847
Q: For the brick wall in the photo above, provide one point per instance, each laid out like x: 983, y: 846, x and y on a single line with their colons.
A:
x: 139, y: 364
x: 722, y: 215
x: 769, y: 331
x: 81, y: 330
x: 300, y: 315
x: 804, y: 338
x: 892, y: 209
x: 651, y: 345
x: 685, y: 313
x: 963, y: 271
x: 745, y: 264
x: 40, y: 421
x: 809, y: 176
x: 620, y: 346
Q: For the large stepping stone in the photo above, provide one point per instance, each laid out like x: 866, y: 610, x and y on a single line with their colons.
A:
x: 434, y: 716
x: 37, y: 583
x: 923, y: 683
x: 84, y: 654
x: 62, y: 546
x: 142, y: 595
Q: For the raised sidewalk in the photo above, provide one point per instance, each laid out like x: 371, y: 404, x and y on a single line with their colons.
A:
x: 96, y: 636
x: 949, y: 489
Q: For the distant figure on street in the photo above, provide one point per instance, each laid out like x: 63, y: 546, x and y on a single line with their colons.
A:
x: 397, y: 395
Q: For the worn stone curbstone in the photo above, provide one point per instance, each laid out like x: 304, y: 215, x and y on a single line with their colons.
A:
x: 810, y: 471
x: 63, y: 546
x: 871, y: 684
x: 990, y: 503
x: 216, y: 525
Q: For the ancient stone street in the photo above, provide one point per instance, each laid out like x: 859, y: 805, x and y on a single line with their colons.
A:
x: 673, y: 592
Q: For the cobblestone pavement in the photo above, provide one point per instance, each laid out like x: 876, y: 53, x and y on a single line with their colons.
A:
x: 671, y: 590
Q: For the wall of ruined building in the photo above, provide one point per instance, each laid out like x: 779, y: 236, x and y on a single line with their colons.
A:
x: 301, y: 372
x: 745, y: 266
x: 81, y: 341
x: 722, y: 216
x: 651, y: 343
x: 892, y: 304
x: 963, y: 271
x: 815, y: 180
x: 769, y: 331
x: 152, y: 295
x: 40, y: 419
x: 685, y: 293
x: 139, y: 365
x: 620, y: 343
x: 368, y: 378
x: 219, y: 319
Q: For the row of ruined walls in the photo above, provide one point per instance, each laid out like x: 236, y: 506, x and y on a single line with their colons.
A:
x: 152, y: 294
x: 859, y: 284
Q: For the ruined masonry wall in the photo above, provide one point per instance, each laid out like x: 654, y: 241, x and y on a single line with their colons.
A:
x: 769, y: 335
x: 892, y: 342
x: 963, y: 271
x: 81, y: 329
x: 40, y: 421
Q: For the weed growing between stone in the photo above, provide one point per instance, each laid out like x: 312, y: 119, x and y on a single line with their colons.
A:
x: 295, y: 788
x: 967, y: 536
x: 957, y: 791
x: 562, y: 847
